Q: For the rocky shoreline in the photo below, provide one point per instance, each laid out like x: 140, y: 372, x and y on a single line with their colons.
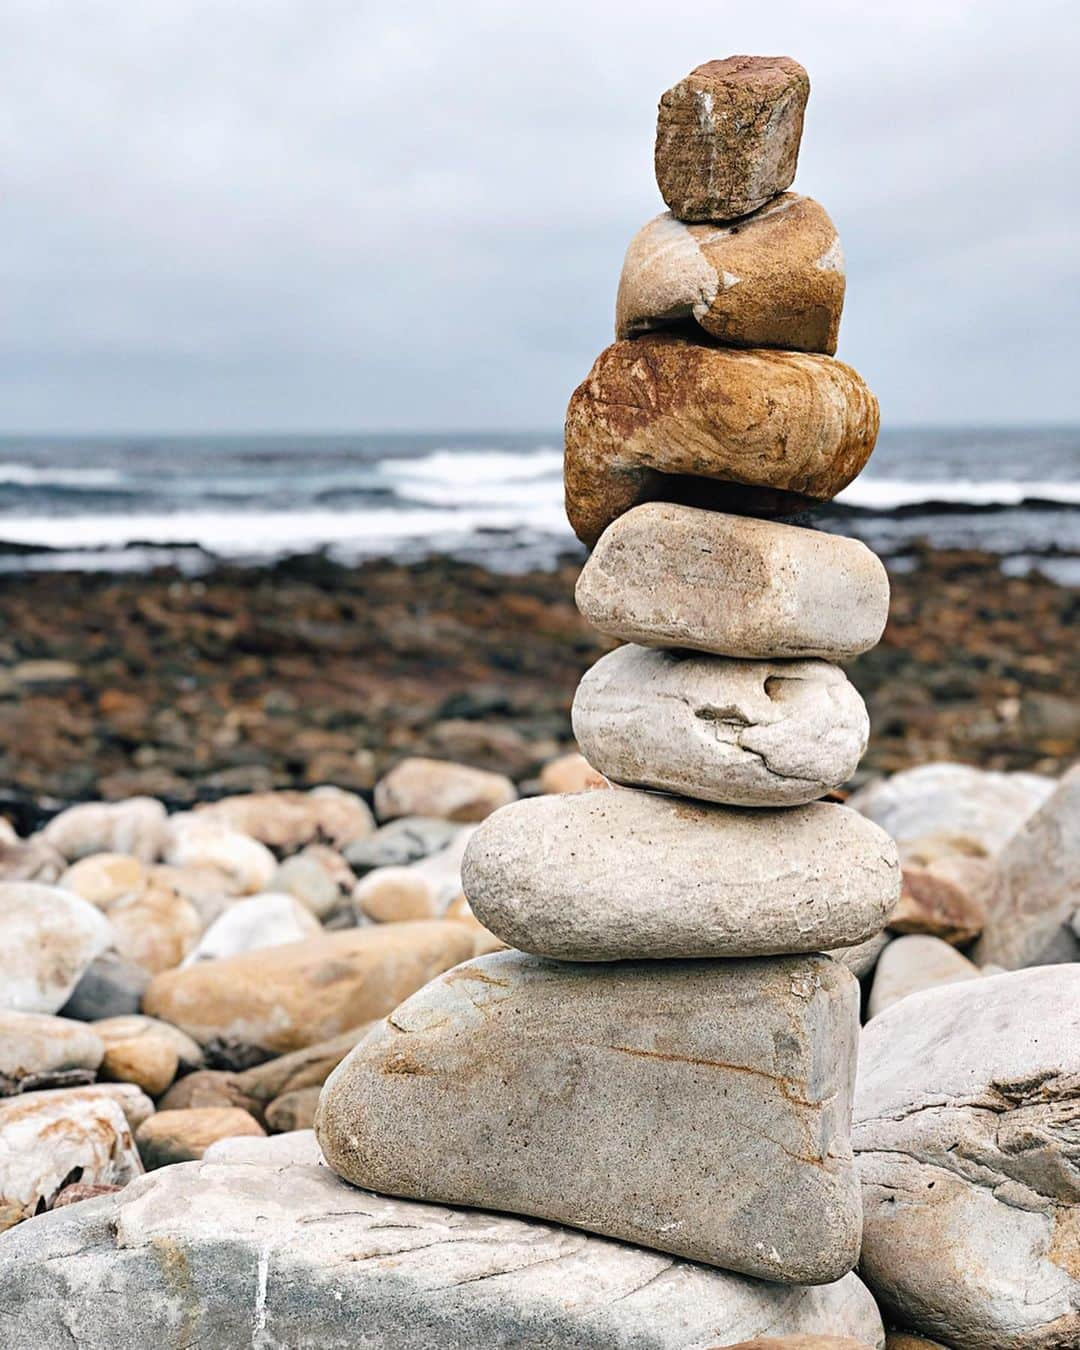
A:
x: 311, y: 672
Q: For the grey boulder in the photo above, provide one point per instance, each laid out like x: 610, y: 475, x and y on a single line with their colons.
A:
x: 967, y: 1137
x: 272, y: 1255
x: 748, y: 733
x: 604, y: 876
x: 1037, y: 886
x: 698, y: 1107
x: 939, y: 809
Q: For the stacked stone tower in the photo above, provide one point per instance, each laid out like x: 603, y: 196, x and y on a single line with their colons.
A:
x: 668, y: 1057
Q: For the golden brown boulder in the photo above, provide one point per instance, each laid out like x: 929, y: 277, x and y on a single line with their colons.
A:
x: 775, y: 279
x: 183, y: 1136
x: 727, y: 136
x: 283, y: 998
x: 754, y: 432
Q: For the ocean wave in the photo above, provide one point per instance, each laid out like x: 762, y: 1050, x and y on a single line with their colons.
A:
x: 887, y: 494
x: 33, y: 475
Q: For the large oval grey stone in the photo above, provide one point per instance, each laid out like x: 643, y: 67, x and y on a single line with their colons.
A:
x: 272, y: 1255
x: 677, y: 576
x: 602, y: 876
x: 698, y: 1107
x: 966, y: 1137
x: 748, y: 733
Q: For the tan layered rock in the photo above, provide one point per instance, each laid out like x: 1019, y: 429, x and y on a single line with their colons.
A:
x: 50, y: 1138
x: 145, y: 1052
x: 48, y: 937
x: 965, y: 1135
x: 136, y: 827
x: 302, y: 1069
x: 775, y: 279
x: 184, y: 1136
x: 673, y: 576
x: 217, y: 1088
x: 665, y: 418
x: 570, y: 773
x: 284, y: 998
x: 727, y: 136
x: 196, y: 841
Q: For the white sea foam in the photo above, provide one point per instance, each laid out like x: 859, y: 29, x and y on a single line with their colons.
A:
x: 885, y: 494
x: 31, y: 475
x: 245, y: 533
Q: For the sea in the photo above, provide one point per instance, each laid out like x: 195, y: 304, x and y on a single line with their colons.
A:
x: 127, y: 503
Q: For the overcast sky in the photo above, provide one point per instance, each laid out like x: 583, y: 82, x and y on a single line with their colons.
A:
x: 303, y: 214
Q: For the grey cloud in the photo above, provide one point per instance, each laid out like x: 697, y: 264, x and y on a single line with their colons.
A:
x: 318, y: 215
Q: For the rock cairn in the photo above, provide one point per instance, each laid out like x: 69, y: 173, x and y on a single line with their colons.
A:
x: 668, y: 1057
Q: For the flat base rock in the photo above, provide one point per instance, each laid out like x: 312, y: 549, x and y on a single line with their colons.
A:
x: 267, y: 1255
x: 606, y: 876
x: 696, y: 1107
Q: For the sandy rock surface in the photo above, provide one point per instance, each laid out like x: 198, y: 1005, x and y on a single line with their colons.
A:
x: 433, y: 787
x: 727, y: 136
x: 676, y: 576
x: 1037, y: 886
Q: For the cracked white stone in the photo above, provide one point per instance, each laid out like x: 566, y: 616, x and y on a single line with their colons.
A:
x: 967, y: 1137
x: 605, y: 876
x: 292, y: 1256
x: 746, y: 733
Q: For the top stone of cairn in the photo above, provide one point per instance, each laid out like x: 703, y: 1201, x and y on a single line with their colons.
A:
x: 727, y: 136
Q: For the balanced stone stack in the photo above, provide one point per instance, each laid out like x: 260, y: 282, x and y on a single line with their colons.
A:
x: 669, y: 1056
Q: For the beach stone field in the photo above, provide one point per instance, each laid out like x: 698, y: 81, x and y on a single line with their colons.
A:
x: 693, y: 1034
